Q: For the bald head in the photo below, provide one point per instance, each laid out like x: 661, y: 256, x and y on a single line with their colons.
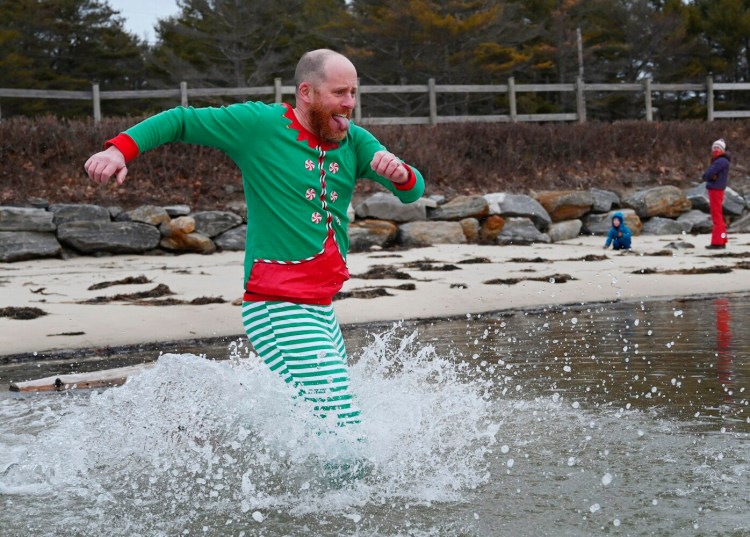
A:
x: 326, y: 93
x: 312, y: 66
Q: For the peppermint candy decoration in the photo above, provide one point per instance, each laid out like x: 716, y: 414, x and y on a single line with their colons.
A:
x: 334, y: 196
x: 316, y: 218
x: 310, y: 194
x: 309, y: 165
x: 333, y: 167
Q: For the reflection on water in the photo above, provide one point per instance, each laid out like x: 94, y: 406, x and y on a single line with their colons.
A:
x: 723, y: 348
x: 624, y: 419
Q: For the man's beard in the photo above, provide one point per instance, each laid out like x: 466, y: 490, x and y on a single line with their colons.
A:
x: 320, y: 121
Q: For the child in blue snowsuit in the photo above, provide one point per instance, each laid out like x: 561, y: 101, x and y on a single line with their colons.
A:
x: 619, y: 234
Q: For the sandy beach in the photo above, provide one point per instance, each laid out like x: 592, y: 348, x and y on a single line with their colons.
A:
x: 438, y: 281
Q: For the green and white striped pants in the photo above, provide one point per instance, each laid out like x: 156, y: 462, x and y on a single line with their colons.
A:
x: 303, y: 344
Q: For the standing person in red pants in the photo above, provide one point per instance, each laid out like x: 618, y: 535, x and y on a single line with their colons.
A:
x: 716, y: 177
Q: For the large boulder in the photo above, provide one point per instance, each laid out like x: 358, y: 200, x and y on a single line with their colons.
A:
x: 22, y: 245
x: 734, y: 203
x: 563, y: 231
x: 148, y: 214
x: 696, y: 221
x: 78, y: 212
x: 600, y: 224
x: 112, y: 237
x: 179, y: 235
x: 521, y: 230
x: 741, y: 226
x: 460, y: 208
x: 181, y: 225
x: 238, y: 207
x: 428, y: 233
x: 491, y: 228
x: 191, y: 242
x: 213, y: 223
x: 26, y: 219
x: 471, y: 229
x: 386, y: 206
x: 177, y: 210
x: 38, y: 203
x: 698, y: 197
x: 232, y: 239
x: 364, y: 234
x: 518, y: 205
x: 565, y: 204
x: 667, y: 201
x: 115, y: 211
x: 604, y: 200
x: 665, y: 226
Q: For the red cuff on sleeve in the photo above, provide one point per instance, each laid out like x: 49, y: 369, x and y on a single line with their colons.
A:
x: 410, y: 182
x: 125, y: 144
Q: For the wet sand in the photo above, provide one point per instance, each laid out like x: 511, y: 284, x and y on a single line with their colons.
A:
x: 438, y: 281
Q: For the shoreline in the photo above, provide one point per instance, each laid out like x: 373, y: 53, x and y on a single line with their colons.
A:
x: 450, y: 281
x: 157, y: 346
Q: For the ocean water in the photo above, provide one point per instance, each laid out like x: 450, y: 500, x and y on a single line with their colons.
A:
x: 614, y: 419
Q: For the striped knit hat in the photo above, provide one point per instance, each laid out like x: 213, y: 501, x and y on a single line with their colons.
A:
x: 719, y: 144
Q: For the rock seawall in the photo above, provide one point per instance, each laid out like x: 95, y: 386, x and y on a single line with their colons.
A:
x: 65, y: 230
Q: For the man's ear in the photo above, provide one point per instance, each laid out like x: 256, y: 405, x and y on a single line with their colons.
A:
x: 305, y: 92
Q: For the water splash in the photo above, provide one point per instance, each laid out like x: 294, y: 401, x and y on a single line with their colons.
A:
x: 195, y: 443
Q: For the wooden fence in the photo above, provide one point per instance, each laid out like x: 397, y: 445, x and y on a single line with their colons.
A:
x: 511, y: 89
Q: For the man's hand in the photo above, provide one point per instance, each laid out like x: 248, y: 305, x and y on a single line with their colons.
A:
x: 105, y: 164
x: 389, y: 166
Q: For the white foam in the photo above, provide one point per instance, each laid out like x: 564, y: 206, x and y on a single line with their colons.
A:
x: 227, y: 436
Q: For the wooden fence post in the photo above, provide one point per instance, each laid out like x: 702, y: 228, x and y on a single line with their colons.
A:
x: 183, y: 93
x: 433, y: 101
x: 647, y: 95
x: 710, y: 98
x: 512, y: 99
x: 580, y: 101
x: 97, y: 102
x: 277, y: 90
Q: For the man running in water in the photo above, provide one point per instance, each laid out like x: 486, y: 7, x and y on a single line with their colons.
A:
x: 299, y: 166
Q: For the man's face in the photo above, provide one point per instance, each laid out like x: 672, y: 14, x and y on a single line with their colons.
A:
x: 616, y: 222
x: 333, y: 101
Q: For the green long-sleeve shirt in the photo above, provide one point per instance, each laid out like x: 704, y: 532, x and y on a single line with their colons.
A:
x: 297, y: 189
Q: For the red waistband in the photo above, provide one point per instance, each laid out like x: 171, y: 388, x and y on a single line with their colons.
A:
x: 257, y: 297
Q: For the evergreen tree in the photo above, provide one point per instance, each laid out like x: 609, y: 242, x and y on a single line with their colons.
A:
x: 410, y: 41
x: 64, y: 44
x: 724, y: 27
x: 236, y: 43
x: 398, y: 41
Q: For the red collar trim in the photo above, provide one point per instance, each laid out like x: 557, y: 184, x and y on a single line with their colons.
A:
x: 304, y: 135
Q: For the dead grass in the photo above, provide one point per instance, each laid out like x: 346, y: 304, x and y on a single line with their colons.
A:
x: 44, y: 157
